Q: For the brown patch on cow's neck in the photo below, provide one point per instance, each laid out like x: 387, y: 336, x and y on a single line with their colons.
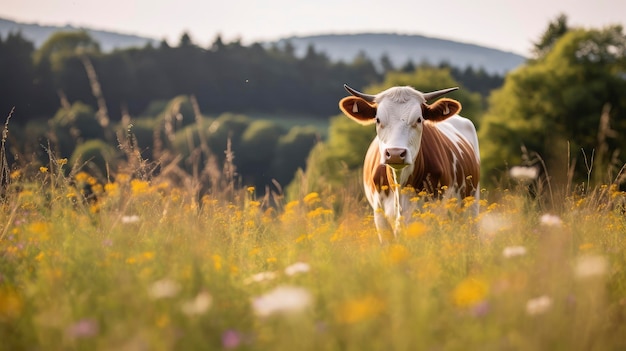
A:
x: 437, y: 154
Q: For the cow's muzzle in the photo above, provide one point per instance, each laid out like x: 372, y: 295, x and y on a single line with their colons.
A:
x: 396, y: 156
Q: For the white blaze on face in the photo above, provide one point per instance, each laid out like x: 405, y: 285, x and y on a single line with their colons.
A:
x: 400, y: 121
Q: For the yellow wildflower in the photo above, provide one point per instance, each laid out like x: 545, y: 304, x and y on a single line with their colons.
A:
x: 357, y: 310
x: 234, y: 270
x: 122, y: 178
x: 43, y: 169
x: 81, y: 177
x: 468, y: 201
x: 176, y: 195
x: 163, y: 185
x: 10, y: 304
x: 97, y: 189
x: 291, y: 205
x: 469, y: 292
x: 451, y: 203
x: 94, y: 208
x: 396, y: 254
x: 25, y: 193
x: 492, y: 207
x: 268, y: 215
x: 208, y: 201
x: 318, y: 212
x: 62, y: 161
x: 254, y: 252
x: 311, y: 198
x: 416, y: 229
x: 138, y: 187
x: 112, y: 189
x: 217, y: 262
x: 304, y: 237
x: 40, y: 228
x: 407, y: 190
x: 15, y: 174
x: 148, y: 255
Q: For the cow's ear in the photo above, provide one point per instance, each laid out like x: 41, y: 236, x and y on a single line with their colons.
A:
x: 441, y: 109
x: 358, y: 109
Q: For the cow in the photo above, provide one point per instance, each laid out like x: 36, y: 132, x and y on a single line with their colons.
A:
x: 427, y: 147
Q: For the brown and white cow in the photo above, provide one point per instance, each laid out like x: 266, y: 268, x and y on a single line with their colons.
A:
x: 419, y: 145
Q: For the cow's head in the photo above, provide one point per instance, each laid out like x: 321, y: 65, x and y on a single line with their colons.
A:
x: 399, y: 114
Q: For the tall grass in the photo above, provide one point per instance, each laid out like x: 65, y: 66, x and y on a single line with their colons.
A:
x: 144, y: 263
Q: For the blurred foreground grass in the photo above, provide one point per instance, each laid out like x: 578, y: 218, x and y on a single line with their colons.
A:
x: 149, y: 266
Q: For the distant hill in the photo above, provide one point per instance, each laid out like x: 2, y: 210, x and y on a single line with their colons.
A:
x: 39, y: 34
x: 399, y: 48
x: 402, y: 48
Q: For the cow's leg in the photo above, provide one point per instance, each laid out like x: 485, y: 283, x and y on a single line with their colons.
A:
x: 389, y: 216
x: 476, y: 208
x: 476, y: 205
x: 382, y: 225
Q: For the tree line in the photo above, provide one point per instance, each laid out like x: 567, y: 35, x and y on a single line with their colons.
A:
x: 225, y: 77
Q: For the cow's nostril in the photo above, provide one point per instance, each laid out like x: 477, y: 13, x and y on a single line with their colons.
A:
x: 387, y: 154
x: 403, y: 154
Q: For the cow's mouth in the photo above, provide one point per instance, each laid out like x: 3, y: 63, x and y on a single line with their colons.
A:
x: 397, y: 166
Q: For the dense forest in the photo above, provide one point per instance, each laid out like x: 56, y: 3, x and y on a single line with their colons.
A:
x: 226, y: 77
x: 71, y: 99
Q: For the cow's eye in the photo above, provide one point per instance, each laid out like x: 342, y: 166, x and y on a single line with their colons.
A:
x: 377, y: 120
x: 417, y: 123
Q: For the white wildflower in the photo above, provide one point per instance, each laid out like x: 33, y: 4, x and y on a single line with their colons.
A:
x: 282, y: 300
x: 550, y: 220
x: 492, y: 223
x: 130, y: 219
x: 298, y: 267
x: 538, y: 305
x: 260, y: 277
x: 590, y: 266
x: 199, y: 305
x: 524, y: 174
x: 513, y: 251
x: 163, y: 288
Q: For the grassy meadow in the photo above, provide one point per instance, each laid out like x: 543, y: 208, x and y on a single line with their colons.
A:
x: 143, y: 263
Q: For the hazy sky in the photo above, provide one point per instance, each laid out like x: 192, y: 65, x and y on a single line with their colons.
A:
x: 511, y: 25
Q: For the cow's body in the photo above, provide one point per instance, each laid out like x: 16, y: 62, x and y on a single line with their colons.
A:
x: 426, y: 146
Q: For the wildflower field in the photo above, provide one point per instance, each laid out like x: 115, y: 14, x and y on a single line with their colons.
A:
x: 136, y: 263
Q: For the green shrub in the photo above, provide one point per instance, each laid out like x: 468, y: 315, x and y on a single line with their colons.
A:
x: 98, y: 156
